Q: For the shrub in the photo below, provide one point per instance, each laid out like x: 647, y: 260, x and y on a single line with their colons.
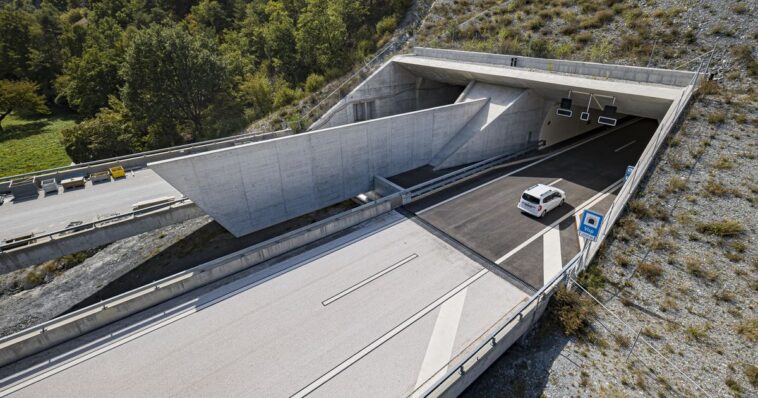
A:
x: 622, y: 260
x: 650, y: 271
x: 751, y: 373
x: 739, y: 8
x: 597, y: 20
x: 386, y: 25
x: 314, y: 82
x: 748, y: 329
x: 721, y: 228
x: 724, y: 163
x: 717, y: 117
x: 572, y: 310
x: 677, y: 184
x: 696, y: 333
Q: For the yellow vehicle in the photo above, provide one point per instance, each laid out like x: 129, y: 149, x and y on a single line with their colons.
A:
x: 118, y: 172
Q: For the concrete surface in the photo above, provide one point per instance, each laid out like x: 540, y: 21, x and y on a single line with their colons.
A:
x: 252, y: 186
x: 54, y: 212
x: 679, y: 78
x: 509, y: 122
x: 646, y: 100
x: 387, y: 338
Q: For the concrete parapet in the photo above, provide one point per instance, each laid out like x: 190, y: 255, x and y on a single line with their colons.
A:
x: 98, y: 234
x: 606, y: 71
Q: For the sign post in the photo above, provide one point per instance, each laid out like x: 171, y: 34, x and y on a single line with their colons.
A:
x: 629, y: 171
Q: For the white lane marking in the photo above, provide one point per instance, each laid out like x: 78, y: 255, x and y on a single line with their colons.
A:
x: 386, y: 337
x: 551, y: 254
x: 440, y: 347
x: 578, y: 144
x: 560, y: 220
x: 222, y: 293
x: 624, y: 146
x: 555, y: 182
x: 369, y: 280
x: 578, y: 219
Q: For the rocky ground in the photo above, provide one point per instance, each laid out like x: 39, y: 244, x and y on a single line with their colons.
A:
x: 675, y: 290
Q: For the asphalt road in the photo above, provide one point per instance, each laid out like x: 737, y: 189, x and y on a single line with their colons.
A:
x: 378, y: 312
x: 483, y: 214
x: 54, y: 212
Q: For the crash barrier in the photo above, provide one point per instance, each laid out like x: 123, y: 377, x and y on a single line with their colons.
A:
x: 23, y: 189
x: 139, y: 160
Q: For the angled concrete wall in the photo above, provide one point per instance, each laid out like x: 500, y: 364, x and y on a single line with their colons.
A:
x: 393, y: 90
x: 509, y: 122
x: 252, y: 186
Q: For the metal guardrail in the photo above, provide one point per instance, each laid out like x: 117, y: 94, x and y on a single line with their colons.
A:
x: 21, y: 243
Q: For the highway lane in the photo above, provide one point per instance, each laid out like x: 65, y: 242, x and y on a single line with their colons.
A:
x: 485, y: 217
x: 54, y: 212
x: 309, y: 326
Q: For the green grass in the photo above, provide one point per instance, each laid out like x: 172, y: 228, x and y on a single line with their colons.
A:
x: 31, y: 144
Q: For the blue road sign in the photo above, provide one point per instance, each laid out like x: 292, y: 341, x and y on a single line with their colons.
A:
x: 629, y: 171
x: 589, y: 228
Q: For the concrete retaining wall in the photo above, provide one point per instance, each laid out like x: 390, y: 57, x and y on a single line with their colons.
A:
x: 606, y: 71
x: 101, y: 234
x: 250, y: 187
x: 508, y: 123
x: 394, y: 91
x: 58, y: 330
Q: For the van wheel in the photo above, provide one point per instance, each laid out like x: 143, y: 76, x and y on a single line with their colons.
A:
x: 542, y: 214
x: 562, y: 201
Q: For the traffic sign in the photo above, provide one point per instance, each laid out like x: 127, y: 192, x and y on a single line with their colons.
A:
x: 629, y: 171
x: 589, y: 228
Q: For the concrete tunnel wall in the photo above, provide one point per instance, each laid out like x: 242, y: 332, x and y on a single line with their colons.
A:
x: 249, y: 187
x: 509, y: 122
x: 394, y: 90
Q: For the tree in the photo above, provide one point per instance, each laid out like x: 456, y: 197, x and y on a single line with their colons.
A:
x: 108, y: 134
x: 321, y: 36
x: 21, y: 97
x: 172, y: 77
x: 279, y: 41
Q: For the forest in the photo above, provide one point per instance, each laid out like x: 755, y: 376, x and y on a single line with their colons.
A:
x: 148, y: 74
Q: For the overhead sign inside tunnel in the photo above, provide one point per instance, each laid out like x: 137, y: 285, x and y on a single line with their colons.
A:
x: 589, y: 228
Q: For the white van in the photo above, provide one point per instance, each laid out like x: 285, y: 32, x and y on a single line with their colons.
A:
x: 539, y: 199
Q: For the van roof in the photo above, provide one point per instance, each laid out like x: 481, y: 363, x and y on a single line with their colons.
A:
x: 538, y: 190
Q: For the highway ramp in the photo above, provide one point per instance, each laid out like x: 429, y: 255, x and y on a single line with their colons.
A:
x: 53, y: 212
x: 377, y: 312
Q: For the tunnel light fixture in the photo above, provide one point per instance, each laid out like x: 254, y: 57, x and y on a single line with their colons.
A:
x: 585, y: 116
x: 565, y: 108
x: 608, y: 117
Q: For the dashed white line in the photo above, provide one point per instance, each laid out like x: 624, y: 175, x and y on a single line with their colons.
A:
x: 624, y: 146
x: 369, y: 280
x: 555, y: 182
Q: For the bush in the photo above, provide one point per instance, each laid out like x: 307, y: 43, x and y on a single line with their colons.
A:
x: 650, y: 271
x: 572, y: 310
x: 748, y: 329
x: 721, y: 228
x: 386, y: 25
x: 314, y: 82
x: 717, y: 117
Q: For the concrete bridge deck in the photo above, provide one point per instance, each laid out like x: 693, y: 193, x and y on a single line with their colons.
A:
x: 382, y: 311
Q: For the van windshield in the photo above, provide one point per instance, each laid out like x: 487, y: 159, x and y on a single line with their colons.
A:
x: 530, y: 198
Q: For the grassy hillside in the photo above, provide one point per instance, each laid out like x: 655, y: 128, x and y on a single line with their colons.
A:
x: 29, y: 144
